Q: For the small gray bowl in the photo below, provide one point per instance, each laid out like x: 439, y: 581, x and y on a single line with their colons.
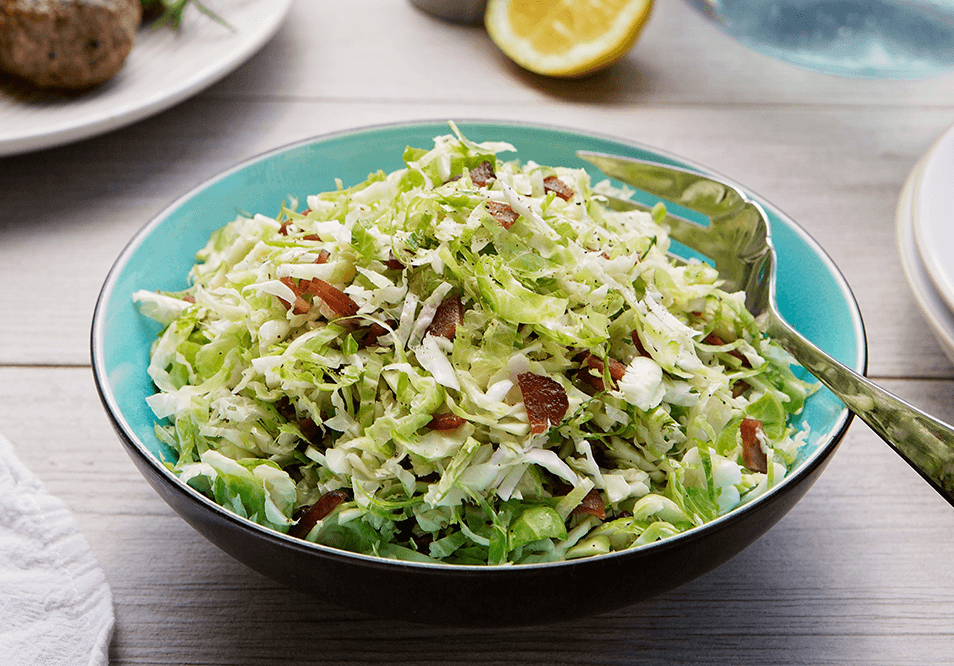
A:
x: 458, y: 11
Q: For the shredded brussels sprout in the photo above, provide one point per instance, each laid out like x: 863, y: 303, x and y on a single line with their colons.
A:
x: 471, y: 361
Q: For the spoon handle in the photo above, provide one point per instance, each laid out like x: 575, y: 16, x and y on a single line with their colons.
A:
x: 924, y: 442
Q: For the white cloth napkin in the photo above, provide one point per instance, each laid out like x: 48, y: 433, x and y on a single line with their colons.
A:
x: 55, y: 604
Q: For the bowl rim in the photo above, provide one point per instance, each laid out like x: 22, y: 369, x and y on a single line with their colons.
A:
x: 824, y: 449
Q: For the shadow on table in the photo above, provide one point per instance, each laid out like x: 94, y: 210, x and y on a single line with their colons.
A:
x: 623, y: 83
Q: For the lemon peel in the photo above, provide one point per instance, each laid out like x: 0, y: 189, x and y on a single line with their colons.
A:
x: 566, y: 38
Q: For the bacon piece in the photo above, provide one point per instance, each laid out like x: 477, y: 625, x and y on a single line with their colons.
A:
x: 739, y: 387
x: 482, y: 174
x: 447, y: 421
x: 752, y: 454
x: 558, y: 187
x: 300, y: 306
x: 339, y: 302
x: 393, y: 264
x: 323, y: 257
x: 545, y: 400
x: 449, y: 314
x: 189, y: 298
x: 503, y: 213
x: 375, y: 331
x: 283, y: 230
x: 308, y: 517
x: 593, y: 380
x: 291, y: 284
x: 592, y: 505
x: 639, y: 344
x: 311, y: 237
x: 713, y: 339
x: 616, y: 371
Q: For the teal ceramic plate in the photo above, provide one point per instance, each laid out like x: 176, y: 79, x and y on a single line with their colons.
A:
x: 812, y: 294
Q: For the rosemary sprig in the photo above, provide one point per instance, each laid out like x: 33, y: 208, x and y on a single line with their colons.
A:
x: 169, y: 12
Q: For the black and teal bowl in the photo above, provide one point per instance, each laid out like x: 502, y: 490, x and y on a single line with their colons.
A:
x: 812, y: 294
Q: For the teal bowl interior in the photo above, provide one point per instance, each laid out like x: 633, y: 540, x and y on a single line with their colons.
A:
x: 812, y: 294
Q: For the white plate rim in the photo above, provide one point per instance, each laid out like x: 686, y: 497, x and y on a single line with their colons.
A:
x: 932, y: 215
x: 928, y: 299
x: 85, y: 127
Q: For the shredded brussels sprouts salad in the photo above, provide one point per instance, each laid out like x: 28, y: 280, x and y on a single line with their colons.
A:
x: 468, y: 361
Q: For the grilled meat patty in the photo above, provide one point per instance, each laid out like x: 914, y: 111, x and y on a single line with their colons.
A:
x: 67, y: 44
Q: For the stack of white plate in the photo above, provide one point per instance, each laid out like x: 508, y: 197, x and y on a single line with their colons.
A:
x: 925, y: 227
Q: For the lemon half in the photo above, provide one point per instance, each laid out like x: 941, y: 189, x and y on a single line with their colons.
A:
x: 566, y: 38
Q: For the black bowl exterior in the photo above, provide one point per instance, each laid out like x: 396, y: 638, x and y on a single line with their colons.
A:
x: 507, y: 596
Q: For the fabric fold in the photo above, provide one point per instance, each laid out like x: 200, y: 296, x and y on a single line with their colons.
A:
x: 55, y: 603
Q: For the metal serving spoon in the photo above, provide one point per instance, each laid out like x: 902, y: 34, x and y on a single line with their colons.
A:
x: 738, y: 241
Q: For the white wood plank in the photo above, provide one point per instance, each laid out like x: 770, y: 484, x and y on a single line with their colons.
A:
x: 860, y: 571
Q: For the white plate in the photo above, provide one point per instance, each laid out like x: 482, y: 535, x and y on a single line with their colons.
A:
x: 934, y: 219
x: 932, y: 305
x: 163, y: 69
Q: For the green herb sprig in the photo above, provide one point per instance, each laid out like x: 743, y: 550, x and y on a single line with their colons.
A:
x: 170, y: 12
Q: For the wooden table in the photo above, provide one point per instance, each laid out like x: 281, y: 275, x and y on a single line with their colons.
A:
x: 860, y: 572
